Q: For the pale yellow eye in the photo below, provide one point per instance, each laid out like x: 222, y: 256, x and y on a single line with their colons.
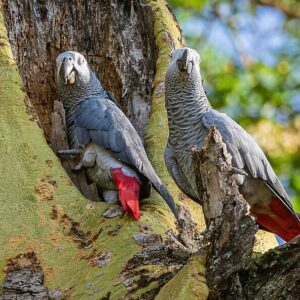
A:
x: 81, y: 61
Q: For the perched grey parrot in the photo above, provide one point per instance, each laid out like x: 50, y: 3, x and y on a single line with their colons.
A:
x: 190, y: 116
x: 108, y: 140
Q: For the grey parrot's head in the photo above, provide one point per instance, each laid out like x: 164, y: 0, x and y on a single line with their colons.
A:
x: 72, y: 69
x: 184, y: 65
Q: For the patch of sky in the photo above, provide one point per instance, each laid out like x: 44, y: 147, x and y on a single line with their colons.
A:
x: 295, y: 101
x: 282, y: 116
x: 259, y: 35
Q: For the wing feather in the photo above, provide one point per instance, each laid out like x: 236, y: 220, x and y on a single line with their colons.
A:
x: 104, y: 123
x: 245, y: 152
x: 101, y: 121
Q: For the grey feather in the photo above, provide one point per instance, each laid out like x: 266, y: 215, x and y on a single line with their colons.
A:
x: 251, y: 154
x: 177, y: 175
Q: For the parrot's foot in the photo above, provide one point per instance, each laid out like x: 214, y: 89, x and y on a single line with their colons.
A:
x: 69, y: 153
x: 111, y: 197
x: 238, y: 171
x: 89, y: 157
x: 77, y: 167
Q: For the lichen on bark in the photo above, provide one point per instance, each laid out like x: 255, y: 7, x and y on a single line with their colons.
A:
x: 42, y: 212
x: 50, y: 218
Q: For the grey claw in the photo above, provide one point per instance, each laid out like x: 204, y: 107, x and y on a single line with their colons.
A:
x: 238, y: 171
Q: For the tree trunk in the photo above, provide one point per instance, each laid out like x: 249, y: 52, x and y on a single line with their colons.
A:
x: 232, y: 273
x: 52, y: 238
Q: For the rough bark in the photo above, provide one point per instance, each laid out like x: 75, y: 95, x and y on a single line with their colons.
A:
x: 116, y: 37
x: 81, y: 253
x: 231, y: 229
x: 24, y: 279
x: 274, y: 275
x: 229, y: 239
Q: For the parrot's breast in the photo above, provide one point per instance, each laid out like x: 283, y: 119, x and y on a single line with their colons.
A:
x: 185, y: 132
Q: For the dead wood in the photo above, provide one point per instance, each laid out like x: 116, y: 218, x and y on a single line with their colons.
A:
x: 232, y: 273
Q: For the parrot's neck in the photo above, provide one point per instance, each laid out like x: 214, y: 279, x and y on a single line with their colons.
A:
x: 72, y: 97
x: 186, y: 102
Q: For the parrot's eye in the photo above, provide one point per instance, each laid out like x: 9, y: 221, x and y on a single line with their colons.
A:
x: 81, y: 61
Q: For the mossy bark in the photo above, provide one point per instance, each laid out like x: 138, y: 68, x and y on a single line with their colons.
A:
x: 41, y: 210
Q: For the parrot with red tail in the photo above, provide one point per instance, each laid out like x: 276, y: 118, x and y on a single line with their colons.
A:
x: 113, y: 153
x: 190, y: 116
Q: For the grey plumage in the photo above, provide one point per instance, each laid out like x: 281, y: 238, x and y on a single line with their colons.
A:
x: 185, y: 103
x: 190, y: 116
x: 93, y: 116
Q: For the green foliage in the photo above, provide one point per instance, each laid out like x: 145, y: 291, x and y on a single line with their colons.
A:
x: 193, y: 4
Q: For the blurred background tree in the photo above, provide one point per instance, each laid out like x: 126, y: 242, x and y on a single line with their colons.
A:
x: 251, y: 70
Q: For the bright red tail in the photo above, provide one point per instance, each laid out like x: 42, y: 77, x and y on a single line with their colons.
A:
x: 129, y: 192
x: 280, y: 221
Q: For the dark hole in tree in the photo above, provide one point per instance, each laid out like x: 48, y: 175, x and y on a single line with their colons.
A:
x: 115, y: 36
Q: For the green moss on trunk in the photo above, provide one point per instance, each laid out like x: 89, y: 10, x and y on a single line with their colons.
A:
x: 189, y: 283
x: 42, y: 211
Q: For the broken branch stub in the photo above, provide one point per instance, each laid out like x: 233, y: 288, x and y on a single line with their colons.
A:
x: 231, y: 230
x: 59, y: 142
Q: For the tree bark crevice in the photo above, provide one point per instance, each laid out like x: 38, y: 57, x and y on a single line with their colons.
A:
x: 230, y: 236
x: 69, y: 235
x: 44, y: 224
x: 117, y: 38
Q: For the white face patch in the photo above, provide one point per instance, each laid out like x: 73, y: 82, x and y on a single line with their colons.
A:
x: 193, y: 54
x: 184, y: 64
x: 71, y: 66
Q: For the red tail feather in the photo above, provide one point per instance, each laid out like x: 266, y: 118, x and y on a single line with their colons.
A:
x: 280, y: 221
x: 129, y: 192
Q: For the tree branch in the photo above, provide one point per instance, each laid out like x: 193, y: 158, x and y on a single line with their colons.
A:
x: 231, y: 271
x: 275, y: 275
x: 292, y: 10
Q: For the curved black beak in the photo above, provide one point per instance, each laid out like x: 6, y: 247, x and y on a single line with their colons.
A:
x: 67, y: 71
x: 184, y: 56
x: 185, y: 63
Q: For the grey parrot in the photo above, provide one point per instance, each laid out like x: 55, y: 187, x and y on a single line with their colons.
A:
x: 190, y: 116
x: 97, y: 126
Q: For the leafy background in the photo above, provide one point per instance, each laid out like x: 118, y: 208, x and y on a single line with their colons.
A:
x: 251, y: 70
